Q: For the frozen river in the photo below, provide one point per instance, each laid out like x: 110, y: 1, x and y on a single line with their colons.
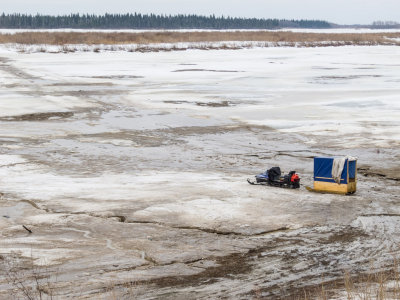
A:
x: 130, y: 169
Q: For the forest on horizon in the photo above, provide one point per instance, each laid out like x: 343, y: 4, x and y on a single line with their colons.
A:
x: 149, y: 21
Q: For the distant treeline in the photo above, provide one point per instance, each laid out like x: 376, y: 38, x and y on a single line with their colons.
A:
x: 385, y: 25
x: 152, y: 21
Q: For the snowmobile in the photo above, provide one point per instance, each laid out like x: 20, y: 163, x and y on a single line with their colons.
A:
x: 273, y: 177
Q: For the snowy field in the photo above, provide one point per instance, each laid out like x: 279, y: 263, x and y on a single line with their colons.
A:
x: 130, y: 169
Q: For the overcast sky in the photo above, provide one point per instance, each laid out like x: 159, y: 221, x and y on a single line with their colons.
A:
x: 337, y: 11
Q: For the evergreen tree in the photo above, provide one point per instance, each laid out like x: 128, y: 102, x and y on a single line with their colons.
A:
x: 152, y: 21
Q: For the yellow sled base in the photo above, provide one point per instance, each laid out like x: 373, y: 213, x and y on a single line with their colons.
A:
x: 333, y: 188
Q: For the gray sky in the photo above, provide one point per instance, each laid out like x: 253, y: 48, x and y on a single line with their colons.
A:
x: 337, y: 11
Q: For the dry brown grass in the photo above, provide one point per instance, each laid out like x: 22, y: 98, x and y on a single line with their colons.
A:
x: 144, y: 38
x: 383, y: 284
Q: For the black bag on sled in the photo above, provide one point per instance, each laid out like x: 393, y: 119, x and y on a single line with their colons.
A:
x: 274, y: 174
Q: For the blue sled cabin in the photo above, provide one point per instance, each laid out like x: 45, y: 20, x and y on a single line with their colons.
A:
x: 335, y: 175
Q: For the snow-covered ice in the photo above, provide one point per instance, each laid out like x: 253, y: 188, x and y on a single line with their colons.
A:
x: 132, y: 167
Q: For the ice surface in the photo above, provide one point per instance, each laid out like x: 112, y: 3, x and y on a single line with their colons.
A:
x: 324, y: 88
x: 6, y: 160
x: 117, y: 160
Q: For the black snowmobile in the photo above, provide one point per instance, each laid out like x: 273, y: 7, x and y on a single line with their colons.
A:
x: 273, y: 177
